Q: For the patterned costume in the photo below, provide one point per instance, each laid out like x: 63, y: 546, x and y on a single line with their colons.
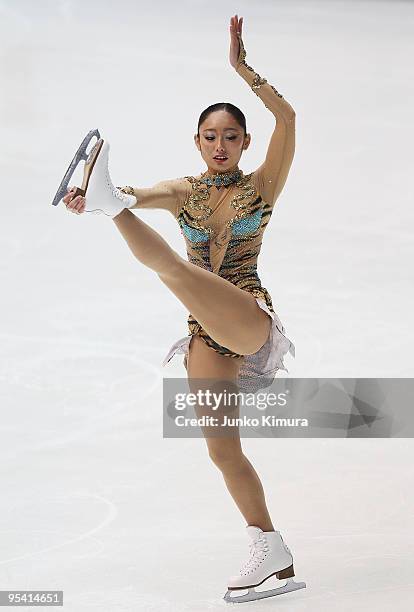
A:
x: 223, y: 228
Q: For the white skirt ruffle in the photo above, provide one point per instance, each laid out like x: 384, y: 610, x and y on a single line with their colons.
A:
x: 259, y: 369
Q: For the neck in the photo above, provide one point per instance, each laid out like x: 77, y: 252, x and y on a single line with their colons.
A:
x: 215, y: 172
x: 220, y: 179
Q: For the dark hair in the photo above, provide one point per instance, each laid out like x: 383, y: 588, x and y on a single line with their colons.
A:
x: 226, y: 106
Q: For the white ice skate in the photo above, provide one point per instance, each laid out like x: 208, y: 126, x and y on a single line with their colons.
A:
x: 102, y: 196
x: 269, y: 556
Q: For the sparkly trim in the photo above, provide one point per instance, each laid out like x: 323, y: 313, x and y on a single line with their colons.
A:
x: 193, y: 234
x: 129, y: 190
x: 194, y: 204
x: 222, y: 179
x: 247, y: 225
x: 258, y: 81
x: 238, y: 202
x: 276, y: 92
x: 242, y: 51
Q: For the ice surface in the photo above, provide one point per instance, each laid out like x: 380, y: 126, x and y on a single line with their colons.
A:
x: 94, y: 501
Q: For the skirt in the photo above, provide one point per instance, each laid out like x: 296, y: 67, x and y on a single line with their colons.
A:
x: 258, y: 370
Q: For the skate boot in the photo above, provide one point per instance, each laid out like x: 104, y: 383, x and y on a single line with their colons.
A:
x: 269, y: 556
x: 102, y: 196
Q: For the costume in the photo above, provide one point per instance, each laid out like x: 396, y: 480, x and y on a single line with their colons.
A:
x: 223, y: 229
x: 222, y: 219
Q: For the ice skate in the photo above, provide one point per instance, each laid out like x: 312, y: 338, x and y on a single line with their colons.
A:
x: 102, y: 196
x: 269, y: 556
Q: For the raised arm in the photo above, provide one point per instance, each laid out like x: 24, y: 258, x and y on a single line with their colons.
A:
x: 272, y: 174
x: 168, y: 195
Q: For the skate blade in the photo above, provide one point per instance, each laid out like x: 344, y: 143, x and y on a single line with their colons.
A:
x: 78, y: 157
x: 252, y: 594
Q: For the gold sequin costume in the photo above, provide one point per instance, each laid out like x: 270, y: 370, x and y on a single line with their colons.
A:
x: 223, y: 227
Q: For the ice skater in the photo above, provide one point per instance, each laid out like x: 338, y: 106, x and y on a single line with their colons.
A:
x: 234, y: 332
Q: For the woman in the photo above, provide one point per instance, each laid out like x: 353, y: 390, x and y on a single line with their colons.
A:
x: 234, y: 333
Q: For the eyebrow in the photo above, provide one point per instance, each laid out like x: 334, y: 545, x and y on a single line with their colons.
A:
x: 214, y: 129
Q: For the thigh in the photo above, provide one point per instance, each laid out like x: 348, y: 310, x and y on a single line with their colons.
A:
x: 226, y: 312
x: 207, y: 369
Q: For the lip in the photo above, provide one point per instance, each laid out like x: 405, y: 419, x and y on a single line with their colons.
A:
x: 220, y: 160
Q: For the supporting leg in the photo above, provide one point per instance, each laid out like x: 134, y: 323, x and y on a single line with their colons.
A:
x: 242, y: 481
x: 228, y: 314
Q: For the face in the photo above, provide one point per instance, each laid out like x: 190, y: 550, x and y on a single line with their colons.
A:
x: 221, y: 141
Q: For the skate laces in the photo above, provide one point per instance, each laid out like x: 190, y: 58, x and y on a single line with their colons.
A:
x: 116, y: 193
x: 258, y: 552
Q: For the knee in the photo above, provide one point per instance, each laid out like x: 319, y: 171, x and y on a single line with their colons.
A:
x: 226, y: 457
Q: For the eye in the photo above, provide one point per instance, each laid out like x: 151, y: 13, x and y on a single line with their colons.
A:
x: 228, y: 137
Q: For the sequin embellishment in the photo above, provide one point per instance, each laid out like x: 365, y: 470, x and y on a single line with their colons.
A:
x: 197, y: 203
x: 247, y: 225
x: 241, y: 202
x: 258, y: 81
x: 223, y: 179
x: 193, y: 234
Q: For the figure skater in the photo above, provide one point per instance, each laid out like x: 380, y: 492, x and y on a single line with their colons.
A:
x: 234, y: 332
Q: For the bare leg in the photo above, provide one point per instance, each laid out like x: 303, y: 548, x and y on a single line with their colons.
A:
x: 239, y: 475
x: 228, y: 314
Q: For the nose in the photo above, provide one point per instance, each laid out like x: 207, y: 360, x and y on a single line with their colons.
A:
x: 220, y: 147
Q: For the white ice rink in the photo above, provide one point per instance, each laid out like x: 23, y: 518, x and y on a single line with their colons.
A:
x: 94, y: 501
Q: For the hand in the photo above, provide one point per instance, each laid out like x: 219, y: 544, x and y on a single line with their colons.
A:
x: 75, y: 205
x: 235, y: 31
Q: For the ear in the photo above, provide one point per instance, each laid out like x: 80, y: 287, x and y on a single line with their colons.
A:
x: 197, y: 141
x: 247, y: 140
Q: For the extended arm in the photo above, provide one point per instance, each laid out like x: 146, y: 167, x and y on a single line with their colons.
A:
x: 168, y: 195
x: 272, y: 174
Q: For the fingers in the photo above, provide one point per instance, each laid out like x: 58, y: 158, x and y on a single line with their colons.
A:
x: 75, y: 205
x: 239, y: 23
x: 69, y: 195
x: 236, y: 24
x: 79, y: 205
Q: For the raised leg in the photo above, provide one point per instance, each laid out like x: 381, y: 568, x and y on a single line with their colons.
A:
x: 228, y: 314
